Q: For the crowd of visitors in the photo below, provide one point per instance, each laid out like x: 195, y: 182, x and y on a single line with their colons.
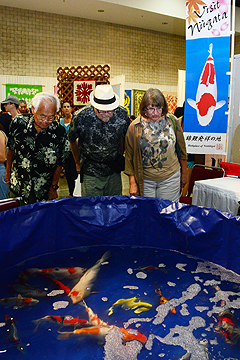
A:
x: 99, y: 142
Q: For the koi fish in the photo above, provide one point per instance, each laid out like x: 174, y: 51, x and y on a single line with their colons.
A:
x: 27, y: 290
x: 61, y: 286
x: 163, y: 300
x: 95, y: 332
x: 66, y: 320
x: 130, y: 304
x: 206, y: 97
x: 150, y: 268
x: 227, y: 327
x: 18, y: 301
x: 93, y: 318
x: 132, y: 334
x: 12, y: 330
x: 57, y: 273
x: 85, y: 284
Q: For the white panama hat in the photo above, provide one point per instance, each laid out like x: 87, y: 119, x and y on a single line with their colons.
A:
x: 104, y: 98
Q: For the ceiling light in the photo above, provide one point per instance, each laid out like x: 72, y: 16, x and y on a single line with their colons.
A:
x: 100, y: 10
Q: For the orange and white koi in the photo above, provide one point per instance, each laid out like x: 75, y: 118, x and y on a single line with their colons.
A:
x: 56, y: 272
x: 83, y: 288
x: 27, y: 290
x: 163, y: 300
x: 12, y: 330
x: 18, y: 301
x: 95, y: 332
x: 132, y: 334
x: 93, y: 318
x: 62, y: 321
x: 61, y: 286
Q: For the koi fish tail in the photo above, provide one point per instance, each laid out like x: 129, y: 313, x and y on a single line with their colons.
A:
x: 105, y: 256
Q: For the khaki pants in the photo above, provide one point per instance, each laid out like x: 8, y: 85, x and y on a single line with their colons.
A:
x: 102, y: 186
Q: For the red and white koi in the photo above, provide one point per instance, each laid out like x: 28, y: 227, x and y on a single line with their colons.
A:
x: 12, y: 330
x: 18, y: 301
x: 96, y: 332
x: 56, y: 272
x: 92, y: 317
x: 85, y: 284
x: 62, y: 321
x: 27, y: 290
x: 150, y: 268
x: 61, y: 286
x: 206, y: 96
x: 132, y: 334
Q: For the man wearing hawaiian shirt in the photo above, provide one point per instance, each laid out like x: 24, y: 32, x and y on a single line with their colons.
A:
x: 37, y: 148
x: 96, y: 138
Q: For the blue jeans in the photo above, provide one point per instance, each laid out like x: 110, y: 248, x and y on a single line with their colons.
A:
x: 167, y: 189
x: 4, y: 187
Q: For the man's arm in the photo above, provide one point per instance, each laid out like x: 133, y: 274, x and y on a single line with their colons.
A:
x: 76, y: 154
x: 10, y: 158
x: 52, y: 194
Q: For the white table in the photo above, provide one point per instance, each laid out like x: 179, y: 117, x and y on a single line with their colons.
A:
x: 220, y: 193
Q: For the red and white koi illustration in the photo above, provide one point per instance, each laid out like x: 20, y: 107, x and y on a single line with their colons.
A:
x: 18, y: 301
x: 132, y: 334
x: 12, y: 330
x: 206, y: 97
x: 62, y: 321
x: 85, y: 284
x: 57, y: 273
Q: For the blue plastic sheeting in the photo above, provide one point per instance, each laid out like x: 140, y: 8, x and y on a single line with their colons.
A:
x: 73, y: 222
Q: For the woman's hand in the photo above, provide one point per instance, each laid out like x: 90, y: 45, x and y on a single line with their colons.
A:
x: 133, y: 188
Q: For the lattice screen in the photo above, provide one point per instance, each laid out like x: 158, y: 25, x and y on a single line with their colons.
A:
x: 66, y: 76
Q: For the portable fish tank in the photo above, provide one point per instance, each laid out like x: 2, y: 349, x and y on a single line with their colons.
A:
x: 164, y: 280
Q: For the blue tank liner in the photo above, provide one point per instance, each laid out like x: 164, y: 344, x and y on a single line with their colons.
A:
x: 48, y: 227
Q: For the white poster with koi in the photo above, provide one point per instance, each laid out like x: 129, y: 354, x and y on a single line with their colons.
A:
x: 207, y: 81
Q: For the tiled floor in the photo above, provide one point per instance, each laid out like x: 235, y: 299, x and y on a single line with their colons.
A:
x: 63, y: 188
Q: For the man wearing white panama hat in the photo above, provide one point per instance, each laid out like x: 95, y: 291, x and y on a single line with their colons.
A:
x: 96, y: 138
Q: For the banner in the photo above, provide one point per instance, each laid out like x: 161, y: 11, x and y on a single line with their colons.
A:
x: 207, y: 81
x: 128, y: 101
x: 23, y: 92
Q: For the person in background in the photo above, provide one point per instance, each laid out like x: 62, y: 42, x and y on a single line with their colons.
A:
x: 100, y: 129
x: 4, y: 188
x: 10, y: 105
x: 132, y: 117
x: 69, y: 166
x: 23, y: 107
x: 151, y: 160
x: 37, y: 149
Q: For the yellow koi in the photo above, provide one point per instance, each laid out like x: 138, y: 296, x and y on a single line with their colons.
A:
x: 131, y: 303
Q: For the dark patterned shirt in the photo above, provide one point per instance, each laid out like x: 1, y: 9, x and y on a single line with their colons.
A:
x: 37, y: 155
x: 99, y: 143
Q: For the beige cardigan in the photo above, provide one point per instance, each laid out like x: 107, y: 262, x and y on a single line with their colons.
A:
x: 133, y: 158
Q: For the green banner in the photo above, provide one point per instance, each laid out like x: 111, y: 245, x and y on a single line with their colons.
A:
x: 22, y: 91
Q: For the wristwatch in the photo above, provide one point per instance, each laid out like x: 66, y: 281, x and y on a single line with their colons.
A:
x: 55, y: 187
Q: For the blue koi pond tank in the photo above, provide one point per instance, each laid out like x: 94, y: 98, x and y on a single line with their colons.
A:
x: 119, y: 278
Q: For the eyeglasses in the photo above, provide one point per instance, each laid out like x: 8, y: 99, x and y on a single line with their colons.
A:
x: 153, y: 109
x: 104, y: 111
x: 46, y: 118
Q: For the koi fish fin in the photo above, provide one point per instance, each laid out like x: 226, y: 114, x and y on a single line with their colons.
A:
x: 220, y: 104
x: 192, y: 103
x: 63, y: 335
